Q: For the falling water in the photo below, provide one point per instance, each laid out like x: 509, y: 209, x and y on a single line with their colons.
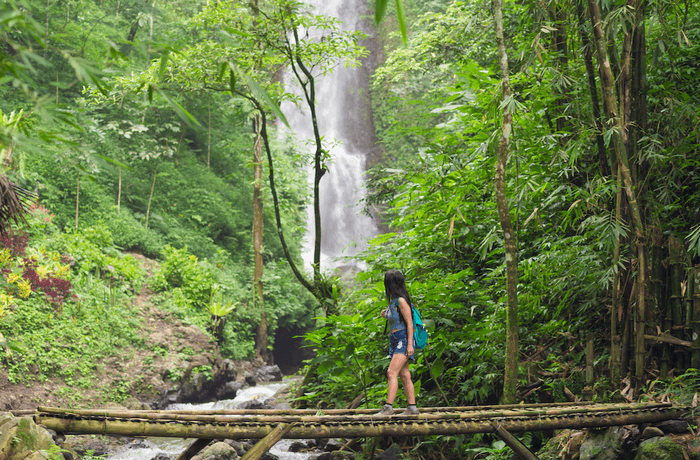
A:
x: 344, y: 115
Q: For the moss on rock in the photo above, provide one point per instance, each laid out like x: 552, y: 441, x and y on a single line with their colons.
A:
x: 660, y: 448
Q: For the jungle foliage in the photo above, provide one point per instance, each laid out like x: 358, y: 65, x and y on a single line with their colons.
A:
x: 120, y: 171
x: 437, y: 106
x: 127, y: 141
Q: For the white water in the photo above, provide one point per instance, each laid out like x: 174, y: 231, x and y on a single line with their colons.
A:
x: 344, y: 117
x: 175, y: 446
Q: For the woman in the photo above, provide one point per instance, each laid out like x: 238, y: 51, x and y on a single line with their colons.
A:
x: 398, y: 313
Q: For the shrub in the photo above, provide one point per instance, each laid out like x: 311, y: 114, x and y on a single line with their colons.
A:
x: 182, y: 270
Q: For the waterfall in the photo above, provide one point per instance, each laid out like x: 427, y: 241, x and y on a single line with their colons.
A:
x: 344, y: 115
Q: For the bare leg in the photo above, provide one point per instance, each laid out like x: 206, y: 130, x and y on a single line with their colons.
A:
x: 405, y: 375
x: 398, y: 361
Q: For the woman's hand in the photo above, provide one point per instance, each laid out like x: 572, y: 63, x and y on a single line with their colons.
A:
x: 409, y: 350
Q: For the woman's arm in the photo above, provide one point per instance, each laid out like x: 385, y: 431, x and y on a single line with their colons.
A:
x: 405, y: 310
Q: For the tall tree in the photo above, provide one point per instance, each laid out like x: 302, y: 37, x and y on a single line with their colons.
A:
x: 511, y: 363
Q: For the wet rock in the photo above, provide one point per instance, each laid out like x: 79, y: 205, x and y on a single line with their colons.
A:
x: 651, y: 432
x: 564, y: 445
x: 20, y: 438
x: 237, y: 446
x: 659, y: 448
x: 250, y: 379
x: 298, y: 446
x: 162, y: 456
x: 392, y: 453
x: 312, y: 443
x: 251, y: 404
x: 602, y: 444
x: 674, y: 426
x: 229, y: 390
x: 332, y: 445
x: 268, y: 374
x: 132, y: 403
x: 217, y: 451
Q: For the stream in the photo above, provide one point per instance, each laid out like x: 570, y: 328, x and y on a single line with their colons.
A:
x: 172, y: 447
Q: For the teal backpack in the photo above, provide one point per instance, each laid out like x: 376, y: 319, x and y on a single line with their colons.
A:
x: 420, y: 333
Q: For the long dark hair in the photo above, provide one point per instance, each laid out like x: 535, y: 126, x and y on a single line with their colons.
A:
x: 395, y: 286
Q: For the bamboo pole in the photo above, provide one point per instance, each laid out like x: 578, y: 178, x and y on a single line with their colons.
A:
x: 514, y: 443
x: 267, y: 442
x: 428, y: 416
x: 665, y: 338
x: 351, y: 429
x: 193, y: 449
x: 695, y: 319
x: 136, y: 413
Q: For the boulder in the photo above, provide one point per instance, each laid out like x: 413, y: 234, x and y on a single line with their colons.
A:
x: 162, y: 456
x: 21, y: 438
x: 229, y: 390
x: 564, y: 445
x: 268, y: 374
x: 651, y: 432
x: 602, y: 444
x: 202, y: 382
x: 674, y: 426
x: 132, y: 403
x: 332, y: 445
x: 250, y: 379
x: 251, y: 404
x: 660, y: 448
x: 217, y: 451
x: 298, y: 446
x: 394, y: 452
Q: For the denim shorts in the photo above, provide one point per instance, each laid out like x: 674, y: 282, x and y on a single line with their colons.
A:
x: 398, y: 342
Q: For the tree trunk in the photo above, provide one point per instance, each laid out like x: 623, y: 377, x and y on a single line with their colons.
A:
x: 511, y: 359
x: 150, y: 197
x: 48, y: 5
x: 77, y: 200
x: 257, y: 138
x: 261, y: 334
x: 119, y: 192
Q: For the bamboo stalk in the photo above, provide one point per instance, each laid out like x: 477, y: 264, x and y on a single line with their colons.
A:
x: 193, y: 449
x: 396, y: 427
x: 267, y: 442
x: 665, y: 338
x: 514, y: 443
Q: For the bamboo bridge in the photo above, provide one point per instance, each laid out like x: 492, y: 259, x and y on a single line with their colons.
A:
x: 272, y: 425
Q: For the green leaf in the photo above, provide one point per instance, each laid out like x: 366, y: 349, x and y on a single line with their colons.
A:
x: 163, y: 64
x: 380, y: 10
x: 402, y: 21
x: 260, y: 93
x: 437, y: 368
x: 181, y: 112
x: 349, y: 351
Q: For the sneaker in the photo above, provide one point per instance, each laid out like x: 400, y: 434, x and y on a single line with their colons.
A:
x: 386, y: 410
x: 410, y: 410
